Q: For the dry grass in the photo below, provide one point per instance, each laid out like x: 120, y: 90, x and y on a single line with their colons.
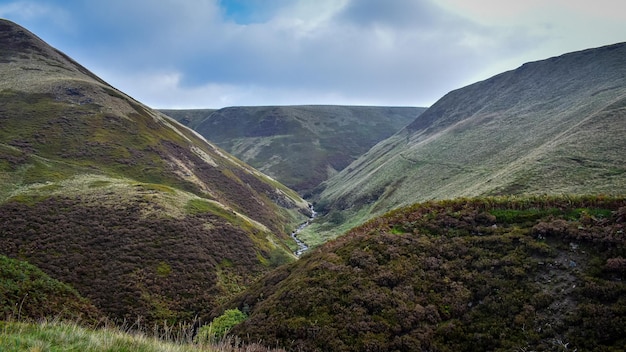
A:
x: 66, y: 336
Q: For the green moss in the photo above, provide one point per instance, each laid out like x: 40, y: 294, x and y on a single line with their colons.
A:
x: 514, y: 215
x: 163, y: 269
x: 397, y: 230
x: 590, y: 212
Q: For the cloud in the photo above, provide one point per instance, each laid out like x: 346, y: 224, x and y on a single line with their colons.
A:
x: 31, y: 12
x: 395, y: 13
x: 165, y: 90
x: 236, y: 52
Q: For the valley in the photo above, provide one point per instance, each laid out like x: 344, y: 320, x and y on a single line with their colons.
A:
x: 303, y: 247
x: 301, y: 146
x: 140, y: 215
x: 493, y: 220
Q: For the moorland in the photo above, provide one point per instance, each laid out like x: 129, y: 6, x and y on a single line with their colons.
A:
x: 492, y: 220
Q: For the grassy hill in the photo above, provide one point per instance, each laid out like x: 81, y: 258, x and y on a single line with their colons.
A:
x: 136, y: 212
x: 300, y: 146
x: 554, y: 126
x: 111, y: 209
x: 189, y: 117
x: 27, y: 293
x: 488, y: 274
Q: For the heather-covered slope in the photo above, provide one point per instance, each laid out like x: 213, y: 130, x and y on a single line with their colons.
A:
x: 491, y: 274
x: 28, y: 293
x: 138, y: 213
x: 300, y: 146
x: 555, y: 126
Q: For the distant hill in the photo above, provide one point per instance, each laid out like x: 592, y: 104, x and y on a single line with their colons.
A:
x: 300, y: 146
x: 491, y: 274
x: 138, y: 213
x: 554, y: 126
x: 189, y: 117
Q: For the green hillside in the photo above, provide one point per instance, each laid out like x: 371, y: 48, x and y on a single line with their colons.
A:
x: 300, y: 146
x: 554, y: 126
x: 26, y: 292
x: 190, y: 117
x: 489, y: 274
x: 507, y: 234
x: 135, y: 211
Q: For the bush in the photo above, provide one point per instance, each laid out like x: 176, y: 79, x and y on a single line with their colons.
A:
x: 220, y: 326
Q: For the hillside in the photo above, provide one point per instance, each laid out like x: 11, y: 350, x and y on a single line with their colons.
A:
x: 28, y: 293
x: 300, y: 146
x: 190, y: 117
x: 489, y: 274
x: 139, y: 214
x: 555, y: 126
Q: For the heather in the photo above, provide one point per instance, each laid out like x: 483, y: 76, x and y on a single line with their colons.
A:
x: 498, y: 274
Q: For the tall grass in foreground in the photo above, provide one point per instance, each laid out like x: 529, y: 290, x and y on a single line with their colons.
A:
x: 53, y: 336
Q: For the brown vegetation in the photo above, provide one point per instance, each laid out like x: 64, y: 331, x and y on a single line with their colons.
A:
x: 128, y: 265
x: 485, y: 274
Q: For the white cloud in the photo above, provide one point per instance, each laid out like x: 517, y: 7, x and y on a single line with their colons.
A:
x: 397, y: 52
x: 31, y: 11
x: 165, y: 90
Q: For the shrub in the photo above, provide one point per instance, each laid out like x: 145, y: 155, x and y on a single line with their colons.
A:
x: 220, y: 326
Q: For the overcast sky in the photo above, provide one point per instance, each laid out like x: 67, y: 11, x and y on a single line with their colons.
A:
x: 217, y: 53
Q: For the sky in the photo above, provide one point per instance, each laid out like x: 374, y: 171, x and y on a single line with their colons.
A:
x: 185, y: 54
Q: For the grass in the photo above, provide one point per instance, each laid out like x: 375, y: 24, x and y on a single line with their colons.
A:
x: 61, y: 124
x: 298, y: 145
x: 26, y: 292
x: 543, y: 134
x: 56, y: 336
x: 60, y: 336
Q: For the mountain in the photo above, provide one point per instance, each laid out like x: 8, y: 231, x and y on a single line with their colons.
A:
x: 554, y: 126
x: 300, y: 146
x: 490, y: 274
x: 139, y: 214
x: 189, y: 117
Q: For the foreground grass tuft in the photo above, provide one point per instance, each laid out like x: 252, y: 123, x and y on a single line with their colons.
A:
x: 62, y: 336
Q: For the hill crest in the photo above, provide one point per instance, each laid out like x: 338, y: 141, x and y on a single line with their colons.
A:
x: 142, y: 216
x: 299, y: 145
x: 552, y: 126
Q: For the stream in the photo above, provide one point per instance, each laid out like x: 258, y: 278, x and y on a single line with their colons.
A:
x: 302, y: 247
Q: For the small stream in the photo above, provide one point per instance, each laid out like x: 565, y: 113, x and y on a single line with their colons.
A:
x: 302, y: 247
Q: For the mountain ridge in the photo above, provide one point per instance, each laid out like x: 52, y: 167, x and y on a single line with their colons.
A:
x: 493, y: 274
x: 139, y: 214
x: 549, y: 126
x: 140, y: 218
x: 299, y: 145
